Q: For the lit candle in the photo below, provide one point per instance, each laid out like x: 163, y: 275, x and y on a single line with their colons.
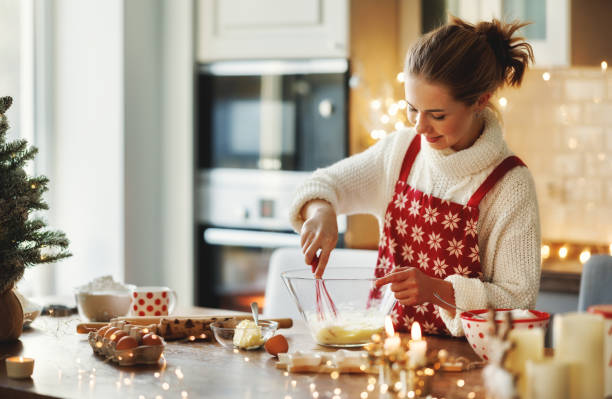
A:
x: 393, y: 341
x: 547, y: 378
x: 418, y: 346
x: 19, y: 367
x: 578, y: 339
x: 528, y: 344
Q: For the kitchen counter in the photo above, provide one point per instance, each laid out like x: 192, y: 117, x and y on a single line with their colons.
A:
x: 561, y: 277
x: 66, y: 367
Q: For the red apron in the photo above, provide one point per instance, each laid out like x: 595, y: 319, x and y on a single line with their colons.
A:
x: 437, y: 236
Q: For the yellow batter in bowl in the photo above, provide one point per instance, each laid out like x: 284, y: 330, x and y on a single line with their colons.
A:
x: 348, y: 329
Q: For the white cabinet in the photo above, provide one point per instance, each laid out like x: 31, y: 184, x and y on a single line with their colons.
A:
x: 549, y: 34
x: 255, y: 29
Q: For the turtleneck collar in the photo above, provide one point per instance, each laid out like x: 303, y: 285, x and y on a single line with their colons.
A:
x: 488, y: 150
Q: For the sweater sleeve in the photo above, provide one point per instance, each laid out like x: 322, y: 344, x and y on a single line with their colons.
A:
x: 357, y: 184
x: 509, y: 242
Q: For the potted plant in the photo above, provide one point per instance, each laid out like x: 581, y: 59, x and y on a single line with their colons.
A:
x: 24, y: 239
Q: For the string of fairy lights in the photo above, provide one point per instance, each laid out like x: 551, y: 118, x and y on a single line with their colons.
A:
x: 390, y: 115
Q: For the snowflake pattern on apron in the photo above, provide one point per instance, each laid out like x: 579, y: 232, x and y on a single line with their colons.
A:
x: 437, y: 236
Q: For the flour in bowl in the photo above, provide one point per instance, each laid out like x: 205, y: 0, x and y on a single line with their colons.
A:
x: 103, y: 283
x: 103, y: 299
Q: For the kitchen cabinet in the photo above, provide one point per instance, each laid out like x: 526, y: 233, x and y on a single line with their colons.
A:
x: 563, y: 33
x: 247, y: 29
x: 548, y: 34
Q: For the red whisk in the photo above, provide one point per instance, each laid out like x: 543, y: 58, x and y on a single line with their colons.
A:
x: 319, y: 283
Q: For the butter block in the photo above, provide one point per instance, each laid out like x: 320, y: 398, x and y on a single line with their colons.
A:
x: 248, y: 335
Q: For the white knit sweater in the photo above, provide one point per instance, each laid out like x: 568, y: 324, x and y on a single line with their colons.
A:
x: 508, y: 225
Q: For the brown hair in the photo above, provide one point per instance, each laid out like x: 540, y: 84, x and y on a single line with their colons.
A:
x: 471, y: 59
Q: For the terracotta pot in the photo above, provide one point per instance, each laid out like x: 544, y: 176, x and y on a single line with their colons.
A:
x: 11, y: 316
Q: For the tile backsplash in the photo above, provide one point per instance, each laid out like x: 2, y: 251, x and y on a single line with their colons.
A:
x: 562, y: 129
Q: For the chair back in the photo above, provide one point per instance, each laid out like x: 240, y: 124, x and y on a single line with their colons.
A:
x: 278, y: 301
x: 596, y: 282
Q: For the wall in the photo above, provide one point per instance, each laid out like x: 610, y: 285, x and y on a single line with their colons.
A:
x: 115, y: 82
x: 158, y: 61
x: 142, y: 59
x: 87, y: 139
x: 380, y: 34
x: 562, y: 129
x: 590, y: 32
x: 178, y: 149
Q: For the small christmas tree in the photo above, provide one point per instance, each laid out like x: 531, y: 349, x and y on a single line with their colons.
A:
x: 24, y: 241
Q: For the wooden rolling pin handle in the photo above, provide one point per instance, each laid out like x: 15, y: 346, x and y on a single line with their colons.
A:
x: 283, y: 323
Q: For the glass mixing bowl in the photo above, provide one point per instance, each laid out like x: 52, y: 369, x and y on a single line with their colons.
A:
x: 224, y: 332
x: 360, y: 310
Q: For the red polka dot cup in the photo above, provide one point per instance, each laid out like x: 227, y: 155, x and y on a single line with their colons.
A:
x: 152, y: 301
x: 477, y: 332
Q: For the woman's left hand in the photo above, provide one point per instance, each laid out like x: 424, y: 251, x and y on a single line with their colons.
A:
x: 409, y: 284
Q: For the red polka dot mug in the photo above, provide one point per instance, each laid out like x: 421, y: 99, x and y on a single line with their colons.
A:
x: 152, y: 301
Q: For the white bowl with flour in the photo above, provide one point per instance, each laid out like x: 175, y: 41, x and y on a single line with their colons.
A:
x: 103, y: 299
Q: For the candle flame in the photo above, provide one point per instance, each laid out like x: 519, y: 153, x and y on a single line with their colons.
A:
x: 389, y: 326
x: 20, y: 359
x: 415, y: 331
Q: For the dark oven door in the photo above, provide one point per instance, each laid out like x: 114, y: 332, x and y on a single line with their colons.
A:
x: 233, y: 265
x: 272, y: 115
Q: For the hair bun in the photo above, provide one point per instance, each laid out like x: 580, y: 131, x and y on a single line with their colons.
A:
x: 512, y: 52
x: 470, y: 60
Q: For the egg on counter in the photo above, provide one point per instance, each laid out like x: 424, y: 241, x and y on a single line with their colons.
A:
x: 118, y: 335
x: 126, y: 342
x: 151, y: 339
x: 110, y: 332
x: 277, y: 344
x: 102, y: 330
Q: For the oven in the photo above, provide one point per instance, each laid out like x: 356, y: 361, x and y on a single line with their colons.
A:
x: 261, y: 128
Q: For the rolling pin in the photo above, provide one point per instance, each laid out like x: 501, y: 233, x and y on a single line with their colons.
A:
x: 176, y: 327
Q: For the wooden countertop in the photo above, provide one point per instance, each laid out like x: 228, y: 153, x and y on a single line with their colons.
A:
x: 66, y: 367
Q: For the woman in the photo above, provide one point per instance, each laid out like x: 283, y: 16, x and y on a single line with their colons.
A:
x: 457, y: 211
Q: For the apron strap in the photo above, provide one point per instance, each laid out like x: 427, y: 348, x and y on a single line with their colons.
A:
x: 411, y: 154
x: 500, y: 170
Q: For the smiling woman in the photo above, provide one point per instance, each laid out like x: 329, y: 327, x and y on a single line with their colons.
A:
x: 457, y: 210
x: 442, y: 120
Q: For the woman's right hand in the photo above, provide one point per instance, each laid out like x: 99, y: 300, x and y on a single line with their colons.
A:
x: 319, y: 233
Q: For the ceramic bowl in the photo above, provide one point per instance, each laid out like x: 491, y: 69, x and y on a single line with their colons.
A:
x: 103, y: 305
x: 476, y: 329
x: 224, y: 332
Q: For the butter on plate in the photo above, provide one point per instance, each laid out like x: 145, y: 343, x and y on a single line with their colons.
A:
x: 247, y: 335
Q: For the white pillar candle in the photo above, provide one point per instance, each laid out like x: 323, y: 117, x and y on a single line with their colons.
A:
x: 19, y: 367
x: 393, y: 341
x: 606, y: 312
x: 392, y: 344
x: 547, y: 378
x: 578, y: 340
x: 417, y: 347
x: 528, y: 344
